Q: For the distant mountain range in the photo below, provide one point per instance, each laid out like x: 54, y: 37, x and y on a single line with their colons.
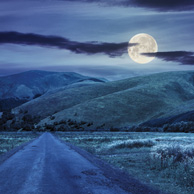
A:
x: 23, y: 87
x: 110, y: 104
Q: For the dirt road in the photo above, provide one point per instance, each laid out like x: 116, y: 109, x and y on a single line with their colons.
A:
x: 48, y: 166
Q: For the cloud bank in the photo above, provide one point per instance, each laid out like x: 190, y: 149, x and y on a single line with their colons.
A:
x: 160, y: 5
x: 30, y: 39
x: 182, y: 57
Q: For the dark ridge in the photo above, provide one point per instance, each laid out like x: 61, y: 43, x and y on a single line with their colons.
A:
x: 92, y: 79
x: 9, y: 103
x: 186, y: 117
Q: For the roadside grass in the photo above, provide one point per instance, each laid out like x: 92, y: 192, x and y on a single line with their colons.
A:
x: 10, y: 140
x: 121, y: 144
x: 163, y: 160
x: 175, y: 161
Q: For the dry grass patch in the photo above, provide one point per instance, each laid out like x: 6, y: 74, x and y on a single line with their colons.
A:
x: 11, y: 140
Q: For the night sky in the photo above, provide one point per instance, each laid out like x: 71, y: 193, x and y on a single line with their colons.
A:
x: 91, y: 37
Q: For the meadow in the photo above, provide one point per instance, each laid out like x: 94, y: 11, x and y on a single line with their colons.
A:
x: 163, y: 160
x: 10, y: 140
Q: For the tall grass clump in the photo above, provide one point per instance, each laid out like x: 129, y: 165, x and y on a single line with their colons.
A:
x: 10, y: 140
x: 175, y: 161
x: 138, y: 143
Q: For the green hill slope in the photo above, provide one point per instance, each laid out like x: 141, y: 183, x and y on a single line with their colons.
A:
x: 120, y: 103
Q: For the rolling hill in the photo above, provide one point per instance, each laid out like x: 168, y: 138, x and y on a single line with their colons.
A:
x: 19, y: 88
x: 118, y: 103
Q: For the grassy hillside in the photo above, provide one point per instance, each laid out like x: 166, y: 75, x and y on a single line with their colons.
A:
x: 22, y: 87
x: 119, y: 103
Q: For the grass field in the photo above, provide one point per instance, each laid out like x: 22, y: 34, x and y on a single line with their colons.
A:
x: 11, y: 140
x: 164, y: 160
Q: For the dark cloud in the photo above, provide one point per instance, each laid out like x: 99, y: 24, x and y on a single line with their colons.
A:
x: 182, y: 57
x: 110, y: 49
x: 160, y: 5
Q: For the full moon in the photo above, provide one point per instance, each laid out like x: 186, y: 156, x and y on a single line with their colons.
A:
x: 145, y: 44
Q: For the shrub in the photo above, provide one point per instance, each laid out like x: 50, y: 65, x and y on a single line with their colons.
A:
x: 50, y: 127
x: 52, y: 117
x: 82, y: 122
x: 27, y: 118
x: 70, y: 122
x: 89, y: 124
x: 114, y: 129
x: 171, y: 154
x: 175, y: 161
x: 62, y: 122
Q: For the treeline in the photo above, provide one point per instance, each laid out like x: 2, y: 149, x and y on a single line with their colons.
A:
x: 27, y: 122
x: 71, y: 125
x: 182, y: 126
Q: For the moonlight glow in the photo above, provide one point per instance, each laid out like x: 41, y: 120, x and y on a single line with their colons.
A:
x: 145, y: 44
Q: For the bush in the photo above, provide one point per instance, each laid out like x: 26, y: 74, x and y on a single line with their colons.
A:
x: 82, y: 123
x: 175, y: 161
x: 27, y: 118
x: 114, y: 129
x: 63, y: 122
x: 89, y: 124
x: 70, y: 122
x: 170, y: 154
x: 50, y: 127
x: 52, y: 117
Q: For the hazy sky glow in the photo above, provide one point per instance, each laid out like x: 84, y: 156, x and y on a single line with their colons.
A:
x: 91, y: 36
